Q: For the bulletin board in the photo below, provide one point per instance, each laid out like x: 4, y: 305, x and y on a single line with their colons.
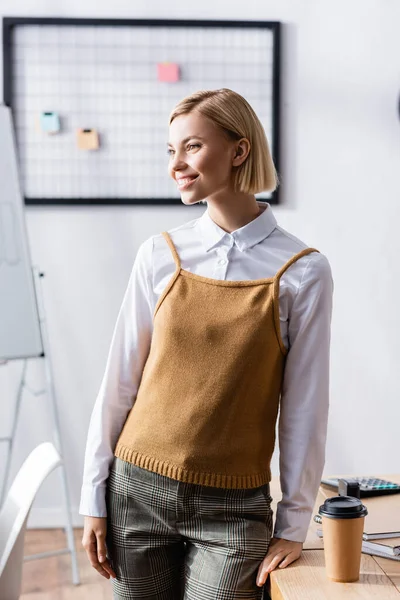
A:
x: 90, y: 99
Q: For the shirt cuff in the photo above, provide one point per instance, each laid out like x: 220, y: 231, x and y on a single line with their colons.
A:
x: 93, y: 501
x: 292, y: 524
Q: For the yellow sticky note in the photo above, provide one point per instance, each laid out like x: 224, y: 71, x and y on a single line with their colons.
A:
x: 88, y: 139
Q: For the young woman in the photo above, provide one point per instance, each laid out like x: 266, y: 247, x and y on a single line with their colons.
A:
x: 225, y: 320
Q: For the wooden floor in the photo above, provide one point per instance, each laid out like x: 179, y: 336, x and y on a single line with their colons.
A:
x: 51, y: 578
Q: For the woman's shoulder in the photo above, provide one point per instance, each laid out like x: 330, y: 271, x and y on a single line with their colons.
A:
x: 154, y: 256
x: 315, y: 264
x: 180, y: 236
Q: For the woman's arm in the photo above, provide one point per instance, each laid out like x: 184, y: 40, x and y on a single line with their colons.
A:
x: 305, y: 400
x: 128, y: 353
x: 303, y: 414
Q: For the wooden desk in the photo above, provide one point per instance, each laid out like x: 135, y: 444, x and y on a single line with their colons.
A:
x: 305, y: 579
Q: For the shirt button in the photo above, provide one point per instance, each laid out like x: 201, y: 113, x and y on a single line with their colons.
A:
x: 222, y: 261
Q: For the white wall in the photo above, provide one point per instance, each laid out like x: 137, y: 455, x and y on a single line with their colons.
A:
x: 341, y: 191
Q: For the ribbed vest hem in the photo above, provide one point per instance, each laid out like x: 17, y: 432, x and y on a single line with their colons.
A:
x: 163, y: 467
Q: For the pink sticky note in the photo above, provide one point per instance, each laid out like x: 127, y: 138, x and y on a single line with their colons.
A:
x: 168, y: 72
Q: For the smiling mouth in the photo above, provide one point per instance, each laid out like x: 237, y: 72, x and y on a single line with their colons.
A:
x: 186, y: 182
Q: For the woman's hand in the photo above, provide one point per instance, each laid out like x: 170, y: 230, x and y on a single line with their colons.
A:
x: 94, y: 542
x: 281, y: 552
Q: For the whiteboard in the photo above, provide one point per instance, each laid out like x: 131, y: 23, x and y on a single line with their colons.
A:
x: 20, y: 335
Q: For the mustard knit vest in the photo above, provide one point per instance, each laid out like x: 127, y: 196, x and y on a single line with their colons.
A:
x: 208, y: 400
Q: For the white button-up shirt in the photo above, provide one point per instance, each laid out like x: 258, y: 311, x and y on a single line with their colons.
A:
x: 254, y: 251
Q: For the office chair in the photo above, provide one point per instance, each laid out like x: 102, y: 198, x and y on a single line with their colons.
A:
x: 14, y: 516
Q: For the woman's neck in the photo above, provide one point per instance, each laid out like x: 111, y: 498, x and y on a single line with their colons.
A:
x: 234, y: 214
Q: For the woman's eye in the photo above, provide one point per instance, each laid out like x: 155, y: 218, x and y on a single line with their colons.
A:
x: 190, y: 146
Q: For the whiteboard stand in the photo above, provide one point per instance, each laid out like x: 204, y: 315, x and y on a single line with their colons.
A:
x: 50, y: 390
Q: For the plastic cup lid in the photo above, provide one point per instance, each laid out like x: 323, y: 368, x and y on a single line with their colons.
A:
x: 343, y: 507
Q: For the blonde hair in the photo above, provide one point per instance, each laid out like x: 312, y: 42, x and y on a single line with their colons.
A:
x: 236, y: 118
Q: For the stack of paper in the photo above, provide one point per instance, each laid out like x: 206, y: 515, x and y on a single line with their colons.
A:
x: 387, y: 547
x: 388, y: 550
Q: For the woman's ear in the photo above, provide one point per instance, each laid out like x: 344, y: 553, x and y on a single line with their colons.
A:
x: 241, y: 152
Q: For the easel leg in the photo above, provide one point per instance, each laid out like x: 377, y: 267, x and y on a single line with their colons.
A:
x: 57, y: 441
x: 10, y: 439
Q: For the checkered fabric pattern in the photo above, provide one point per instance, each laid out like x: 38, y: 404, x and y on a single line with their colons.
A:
x: 170, y: 540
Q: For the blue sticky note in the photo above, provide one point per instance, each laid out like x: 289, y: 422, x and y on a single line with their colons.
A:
x: 49, y: 122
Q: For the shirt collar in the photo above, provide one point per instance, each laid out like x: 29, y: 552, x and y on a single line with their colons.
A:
x: 247, y: 236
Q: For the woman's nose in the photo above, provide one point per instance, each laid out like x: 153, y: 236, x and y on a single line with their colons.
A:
x: 177, y: 161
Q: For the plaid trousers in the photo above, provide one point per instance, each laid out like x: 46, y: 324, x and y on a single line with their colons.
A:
x: 170, y: 540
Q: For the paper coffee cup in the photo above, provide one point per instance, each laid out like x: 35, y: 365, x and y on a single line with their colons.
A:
x: 343, y: 525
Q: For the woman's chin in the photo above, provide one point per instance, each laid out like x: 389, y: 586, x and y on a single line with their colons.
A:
x: 188, y: 199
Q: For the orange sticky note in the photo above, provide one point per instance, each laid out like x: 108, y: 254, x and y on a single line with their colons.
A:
x: 168, y: 71
x: 88, y: 139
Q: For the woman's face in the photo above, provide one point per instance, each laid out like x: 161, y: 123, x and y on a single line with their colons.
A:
x: 200, y: 158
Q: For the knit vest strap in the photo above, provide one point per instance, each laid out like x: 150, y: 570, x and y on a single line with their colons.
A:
x: 294, y: 259
x: 173, y: 249
x: 277, y: 278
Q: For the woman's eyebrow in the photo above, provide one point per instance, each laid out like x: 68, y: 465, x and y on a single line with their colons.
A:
x: 198, y: 137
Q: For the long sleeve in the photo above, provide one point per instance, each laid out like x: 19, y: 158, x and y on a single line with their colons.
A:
x: 305, y: 400
x: 129, y: 349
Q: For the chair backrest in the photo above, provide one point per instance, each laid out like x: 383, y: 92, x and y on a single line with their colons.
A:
x: 14, y: 515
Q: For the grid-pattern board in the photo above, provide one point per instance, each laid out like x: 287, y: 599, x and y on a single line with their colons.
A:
x: 104, y: 76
